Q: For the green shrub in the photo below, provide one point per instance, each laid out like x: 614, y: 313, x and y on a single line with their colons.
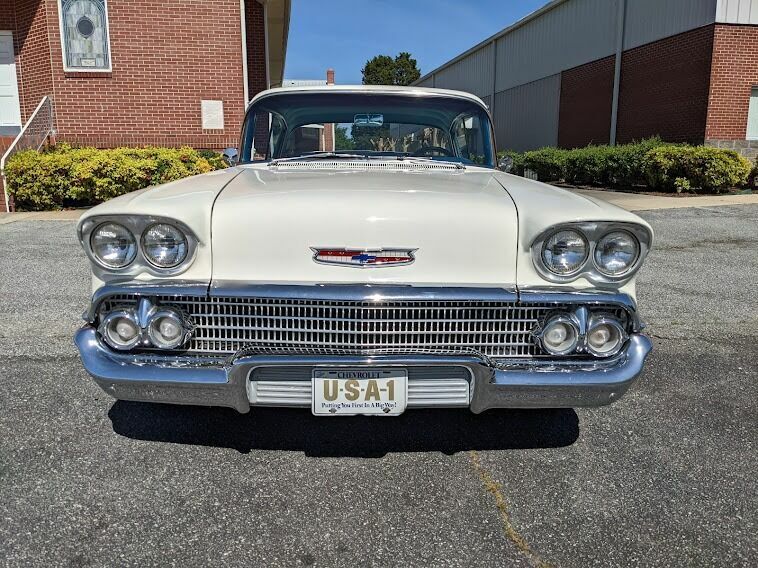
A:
x: 518, y: 161
x: 703, y: 167
x: 72, y: 177
x: 548, y: 163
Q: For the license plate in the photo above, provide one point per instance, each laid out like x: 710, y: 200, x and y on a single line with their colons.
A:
x: 347, y: 392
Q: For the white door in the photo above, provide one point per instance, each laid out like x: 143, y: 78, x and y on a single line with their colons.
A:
x: 10, y: 110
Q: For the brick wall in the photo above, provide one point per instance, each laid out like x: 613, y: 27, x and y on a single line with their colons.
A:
x: 167, y: 56
x: 664, y: 88
x: 256, y: 47
x: 584, y: 115
x: 734, y: 73
x: 33, y: 62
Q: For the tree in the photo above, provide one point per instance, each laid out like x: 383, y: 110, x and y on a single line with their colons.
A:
x: 383, y: 70
x: 341, y: 140
x: 406, y: 69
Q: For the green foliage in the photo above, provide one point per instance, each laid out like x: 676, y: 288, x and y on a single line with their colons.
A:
x: 406, y: 69
x: 518, y: 161
x: 71, y: 177
x: 651, y: 163
x: 704, y: 167
x: 341, y: 140
x: 384, y: 70
x: 548, y: 163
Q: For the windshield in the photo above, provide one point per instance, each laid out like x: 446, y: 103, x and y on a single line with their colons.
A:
x: 367, y: 125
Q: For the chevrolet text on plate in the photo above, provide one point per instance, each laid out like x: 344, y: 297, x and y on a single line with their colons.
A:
x: 401, y: 268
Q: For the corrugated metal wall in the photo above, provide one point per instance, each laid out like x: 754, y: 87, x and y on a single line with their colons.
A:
x: 574, y: 33
x: 526, y: 116
x: 474, y: 73
x: 737, y: 11
x: 651, y: 20
x: 531, y: 56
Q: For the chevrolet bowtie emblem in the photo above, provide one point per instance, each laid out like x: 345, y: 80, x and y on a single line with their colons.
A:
x: 363, y: 258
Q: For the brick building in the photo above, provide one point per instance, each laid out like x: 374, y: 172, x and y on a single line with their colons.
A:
x: 580, y: 72
x: 153, y: 72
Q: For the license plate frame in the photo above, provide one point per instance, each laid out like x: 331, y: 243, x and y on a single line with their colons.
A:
x: 335, y: 398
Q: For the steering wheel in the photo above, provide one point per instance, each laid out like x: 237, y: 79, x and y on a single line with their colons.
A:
x: 433, y: 151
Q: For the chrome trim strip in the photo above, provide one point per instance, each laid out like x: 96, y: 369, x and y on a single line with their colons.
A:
x: 359, y: 292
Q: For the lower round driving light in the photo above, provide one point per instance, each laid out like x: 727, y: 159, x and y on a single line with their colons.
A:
x: 120, y: 330
x: 164, y: 246
x: 113, y: 245
x: 616, y: 253
x: 565, y: 252
x: 605, y: 336
x: 166, y: 329
x: 559, y: 335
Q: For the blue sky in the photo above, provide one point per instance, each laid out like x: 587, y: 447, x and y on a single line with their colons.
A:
x: 344, y: 34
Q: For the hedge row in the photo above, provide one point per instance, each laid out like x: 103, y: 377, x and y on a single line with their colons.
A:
x: 650, y: 163
x: 76, y: 177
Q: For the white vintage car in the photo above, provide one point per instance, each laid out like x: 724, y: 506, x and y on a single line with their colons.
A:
x: 364, y: 256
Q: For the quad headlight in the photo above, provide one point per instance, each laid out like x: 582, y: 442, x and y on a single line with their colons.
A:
x: 164, y: 245
x: 565, y: 252
x: 616, y: 253
x: 132, y: 244
x: 113, y: 245
x: 600, y: 251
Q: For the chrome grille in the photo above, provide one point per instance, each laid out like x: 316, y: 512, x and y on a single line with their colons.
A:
x: 225, y: 325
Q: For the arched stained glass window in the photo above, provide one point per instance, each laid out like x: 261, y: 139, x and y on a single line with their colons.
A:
x: 84, y: 25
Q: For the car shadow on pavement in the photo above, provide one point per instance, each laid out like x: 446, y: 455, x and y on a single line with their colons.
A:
x: 447, y: 431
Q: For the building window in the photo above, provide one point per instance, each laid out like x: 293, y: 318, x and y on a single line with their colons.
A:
x: 752, y: 116
x: 84, y: 35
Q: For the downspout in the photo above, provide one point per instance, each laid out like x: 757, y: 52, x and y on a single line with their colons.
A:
x: 621, y: 25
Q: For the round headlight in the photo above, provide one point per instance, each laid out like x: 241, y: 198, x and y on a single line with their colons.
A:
x: 164, y: 245
x: 565, y: 252
x: 616, y: 253
x: 113, y: 245
x: 166, y: 329
x: 605, y: 336
x: 121, y: 330
x: 560, y: 335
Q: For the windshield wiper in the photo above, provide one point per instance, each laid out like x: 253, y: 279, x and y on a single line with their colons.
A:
x: 319, y: 156
x: 427, y: 159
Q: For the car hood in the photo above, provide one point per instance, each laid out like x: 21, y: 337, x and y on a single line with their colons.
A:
x: 462, y: 224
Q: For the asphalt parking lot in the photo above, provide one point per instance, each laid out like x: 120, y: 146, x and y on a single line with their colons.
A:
x: 665, y: 477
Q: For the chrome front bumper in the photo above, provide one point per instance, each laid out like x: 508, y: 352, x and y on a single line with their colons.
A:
x: 500, y: 384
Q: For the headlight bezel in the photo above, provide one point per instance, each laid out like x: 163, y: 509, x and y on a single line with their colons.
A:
x: 593, y: 232
x: 138, y: 225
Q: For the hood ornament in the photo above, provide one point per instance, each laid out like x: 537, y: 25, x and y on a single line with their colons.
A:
x: 363, y: 258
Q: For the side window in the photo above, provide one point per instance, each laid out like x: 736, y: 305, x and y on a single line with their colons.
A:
x: 470, y: 134
x: 84, y: 35
x: 262, y: 136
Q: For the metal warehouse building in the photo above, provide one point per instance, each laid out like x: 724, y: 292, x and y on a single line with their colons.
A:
x: 578, y: 72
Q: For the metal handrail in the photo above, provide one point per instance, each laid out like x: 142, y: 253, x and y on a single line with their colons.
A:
x: 38, y: 128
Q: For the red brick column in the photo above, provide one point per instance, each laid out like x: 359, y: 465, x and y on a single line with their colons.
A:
x: 329, y: 128
x: 734, y: 73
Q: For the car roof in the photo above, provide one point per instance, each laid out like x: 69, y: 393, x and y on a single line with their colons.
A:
x: 388, y: 89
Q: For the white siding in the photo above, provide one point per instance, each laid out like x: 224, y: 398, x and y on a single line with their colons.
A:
x: 472, y: 73
x: 526, y: 117
x: 651, y: 20
x: 571, y: 34
x: 737, y: 11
